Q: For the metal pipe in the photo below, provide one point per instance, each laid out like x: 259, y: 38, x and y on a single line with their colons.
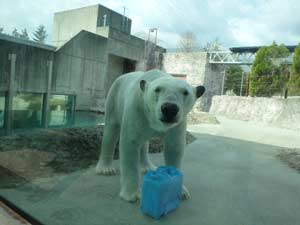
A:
x: 241, y: 89
x: 223, y: 83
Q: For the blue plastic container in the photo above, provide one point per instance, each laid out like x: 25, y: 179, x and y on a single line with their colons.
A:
x: 161, y: 191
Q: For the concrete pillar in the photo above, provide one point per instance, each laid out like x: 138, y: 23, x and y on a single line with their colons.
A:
x: 8, y: 121
x: 46, y: 102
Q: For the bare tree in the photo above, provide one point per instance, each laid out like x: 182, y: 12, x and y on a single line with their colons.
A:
x: 187, y: 42
x: 214, y: 45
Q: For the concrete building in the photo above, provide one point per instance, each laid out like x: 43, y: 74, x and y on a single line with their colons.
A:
x: 96, y: 19
x: 102, y: 54
x: 92, y: 47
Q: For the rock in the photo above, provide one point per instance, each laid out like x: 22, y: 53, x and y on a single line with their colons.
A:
x: 201, y: 117
x: 291, y: 157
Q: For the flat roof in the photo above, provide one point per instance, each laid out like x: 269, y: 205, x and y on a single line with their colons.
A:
x: 10, y: 38
x: 253, y: 49
x: 90, y: 6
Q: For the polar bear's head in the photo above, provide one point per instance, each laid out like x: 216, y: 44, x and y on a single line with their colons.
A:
x: 168, y: 100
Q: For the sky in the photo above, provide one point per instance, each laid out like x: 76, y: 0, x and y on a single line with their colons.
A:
x: 232, y: 22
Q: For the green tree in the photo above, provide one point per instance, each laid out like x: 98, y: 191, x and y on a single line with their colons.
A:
x: 1, y: 30
x: 40, y: 34
x: 294, y: 81
x: 24, y: 34
x: 234, y: 78
x: 15, y: 33
x: 268, y: 73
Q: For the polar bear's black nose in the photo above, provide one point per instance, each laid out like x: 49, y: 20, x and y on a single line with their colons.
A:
x: 169, y: 110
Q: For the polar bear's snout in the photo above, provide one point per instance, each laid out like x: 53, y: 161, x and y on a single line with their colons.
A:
x: 169, y: 112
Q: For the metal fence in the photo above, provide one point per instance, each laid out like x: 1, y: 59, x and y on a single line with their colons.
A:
x: 265, y: 86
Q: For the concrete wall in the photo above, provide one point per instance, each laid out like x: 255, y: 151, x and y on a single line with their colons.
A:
x: 80, y: 69
x: 103, y: 31
x: 68, y: 23
x: 31, y: 67
x: 275, y: 111
x: 213, y: 79
x: 113, y: 19
x: 191, y: 64
x: 198, y: 71
x: 114, y: 70
x: 126, y: 46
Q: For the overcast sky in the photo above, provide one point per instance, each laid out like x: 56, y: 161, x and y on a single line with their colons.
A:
x: 233, y: 22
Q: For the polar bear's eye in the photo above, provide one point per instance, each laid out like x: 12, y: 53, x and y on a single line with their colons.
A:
x: 185, y: 93
x: 157, y: 90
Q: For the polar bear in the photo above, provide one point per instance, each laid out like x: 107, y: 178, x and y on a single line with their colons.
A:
x: 141, y: 105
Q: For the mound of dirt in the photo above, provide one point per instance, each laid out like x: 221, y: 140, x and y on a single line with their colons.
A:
x: 71, y: 148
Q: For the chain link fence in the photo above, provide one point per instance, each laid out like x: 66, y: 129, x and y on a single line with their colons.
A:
x: 237, y: 82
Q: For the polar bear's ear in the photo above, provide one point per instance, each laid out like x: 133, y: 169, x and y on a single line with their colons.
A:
x: 200, y: 91
x: 142, y: 85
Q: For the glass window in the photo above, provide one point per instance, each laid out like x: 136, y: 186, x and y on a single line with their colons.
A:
x: 61, y: 110
x: 27, y: 110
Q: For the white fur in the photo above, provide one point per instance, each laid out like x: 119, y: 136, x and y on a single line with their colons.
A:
x: 133, y: 116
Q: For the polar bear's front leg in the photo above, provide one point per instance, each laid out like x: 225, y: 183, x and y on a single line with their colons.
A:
x: 130, y: 168
x: 174, y: 150
x: 109, y: 140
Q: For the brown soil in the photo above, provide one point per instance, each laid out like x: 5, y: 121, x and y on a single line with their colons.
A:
x: 71, y: 148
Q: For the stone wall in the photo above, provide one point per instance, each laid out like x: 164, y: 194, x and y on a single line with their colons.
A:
x: 213, y: 80
x: 195, y: 66
x: 275, y: 111
x: 189, y: 64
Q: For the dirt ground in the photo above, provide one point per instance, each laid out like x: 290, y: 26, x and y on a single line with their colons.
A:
x: 69, y: 149
x: 291, y: 157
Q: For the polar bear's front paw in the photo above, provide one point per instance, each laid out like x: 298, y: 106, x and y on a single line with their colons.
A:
x: 106, y: 170
x: 185, y: 193
x: 147, y: 167
x: 130, y: 196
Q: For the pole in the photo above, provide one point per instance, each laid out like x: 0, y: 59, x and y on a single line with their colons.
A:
x: 46, y: 111
x: 124, y: 11
x: 124, y: 20
x: 241, y: 89
x: 11, y: 89
x: 223, y: 83
x: 104, y: 20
